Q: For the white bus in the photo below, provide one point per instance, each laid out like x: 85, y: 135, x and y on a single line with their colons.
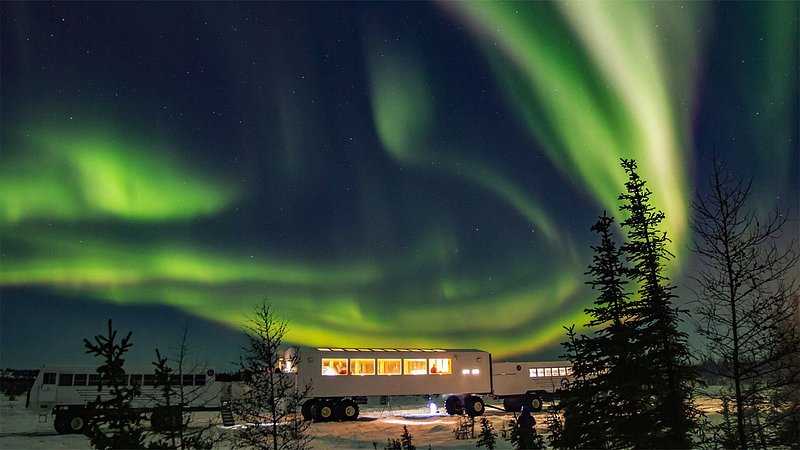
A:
x: 529, y: 383
x: 64, y: 391
x: 342, y: 378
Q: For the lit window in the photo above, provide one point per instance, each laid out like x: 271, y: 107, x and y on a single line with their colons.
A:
x: 334, y: 366
x: 562, y: 371
x: 362, y: 366
x: 476, y: 371
x: 569, y: 370
x: 389, y: 367
x: 440, y: 366
x: 415, y: 366
x: 548, y: 372
x: 540, y: 371
x: 464, y: 371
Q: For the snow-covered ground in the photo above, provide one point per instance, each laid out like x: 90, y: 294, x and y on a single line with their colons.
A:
x: 21, y: 428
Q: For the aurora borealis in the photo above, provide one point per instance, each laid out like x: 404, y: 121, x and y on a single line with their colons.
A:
x: 387, y: 174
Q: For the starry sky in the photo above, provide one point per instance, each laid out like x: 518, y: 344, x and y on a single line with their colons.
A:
x: 385, y: 174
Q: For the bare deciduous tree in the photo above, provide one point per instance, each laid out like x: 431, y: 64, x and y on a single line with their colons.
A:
x: 746, y: 308
x: 171, y: 419
x: 271, y: 402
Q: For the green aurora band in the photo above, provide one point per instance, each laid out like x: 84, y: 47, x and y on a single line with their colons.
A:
x: 591, y: 82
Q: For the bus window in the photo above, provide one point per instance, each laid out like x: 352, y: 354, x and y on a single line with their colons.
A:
x: 188, y: 380
x: 440, y: 366
x: 65, y: 379
x: 199, y: 380
x: 415, y: 366
x: 334, y: 366
x: 49, y: 378
x: 136, y: 380
x: 569, y: 370
x: 389, y: 367
x: 548, y: 372
x: 80, y: 379
x: 362, y: 367
x: 174, y: 380
x: 150, y: 380
x: 94, y: 379
x: 562, y: 371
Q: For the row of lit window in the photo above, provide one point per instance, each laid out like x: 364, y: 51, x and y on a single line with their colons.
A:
x: 337, y: 349
x: 93, y: 379
x: 539, y: 372
x: 386, y: 366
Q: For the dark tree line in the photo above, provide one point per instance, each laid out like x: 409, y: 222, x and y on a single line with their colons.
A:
x: 114, y: 423
x: 634, y: 383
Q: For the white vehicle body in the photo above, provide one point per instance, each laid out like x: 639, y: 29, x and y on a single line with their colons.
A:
x: 66, y: 390
x: 343, y: 377
x: 529, y: 382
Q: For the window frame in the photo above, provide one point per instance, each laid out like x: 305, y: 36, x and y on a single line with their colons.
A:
x: 362, y: 361
x: 409, y: 369
x: 380, y: 369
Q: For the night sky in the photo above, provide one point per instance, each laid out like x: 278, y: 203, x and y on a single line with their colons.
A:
x: 385, y: 174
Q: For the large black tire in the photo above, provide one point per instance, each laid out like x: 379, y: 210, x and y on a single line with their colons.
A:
x: 534, y: 402
x: 308, y: 409
x: 76, y: 422
x: 453, y: 406
x: 324, y: 411
x: 346, y: 410
x: 61, y: 423
x: 474, y: 406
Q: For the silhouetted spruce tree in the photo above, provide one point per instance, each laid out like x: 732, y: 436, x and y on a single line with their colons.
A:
x: 113, y: 423
x: 603, y: 405
x: 487, y: 437
x: 406, y: 439
x: 747, y: 309
x: 663, y: 356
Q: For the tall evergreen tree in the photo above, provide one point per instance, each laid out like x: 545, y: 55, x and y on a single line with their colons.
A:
x: 113, y: 423
x: 603, y: 406
x: 667, y: 377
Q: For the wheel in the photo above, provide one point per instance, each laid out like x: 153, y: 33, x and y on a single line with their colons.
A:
x: 61, y: 423
x: 324, y: 411
x: 512, y: 404
x: 308, y: 409
x: 346, y: 410
x: 535, y: 403
x: 564, y: 383
x: 76, y: 422
x: 475, y: 406
x: 453, y: 405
